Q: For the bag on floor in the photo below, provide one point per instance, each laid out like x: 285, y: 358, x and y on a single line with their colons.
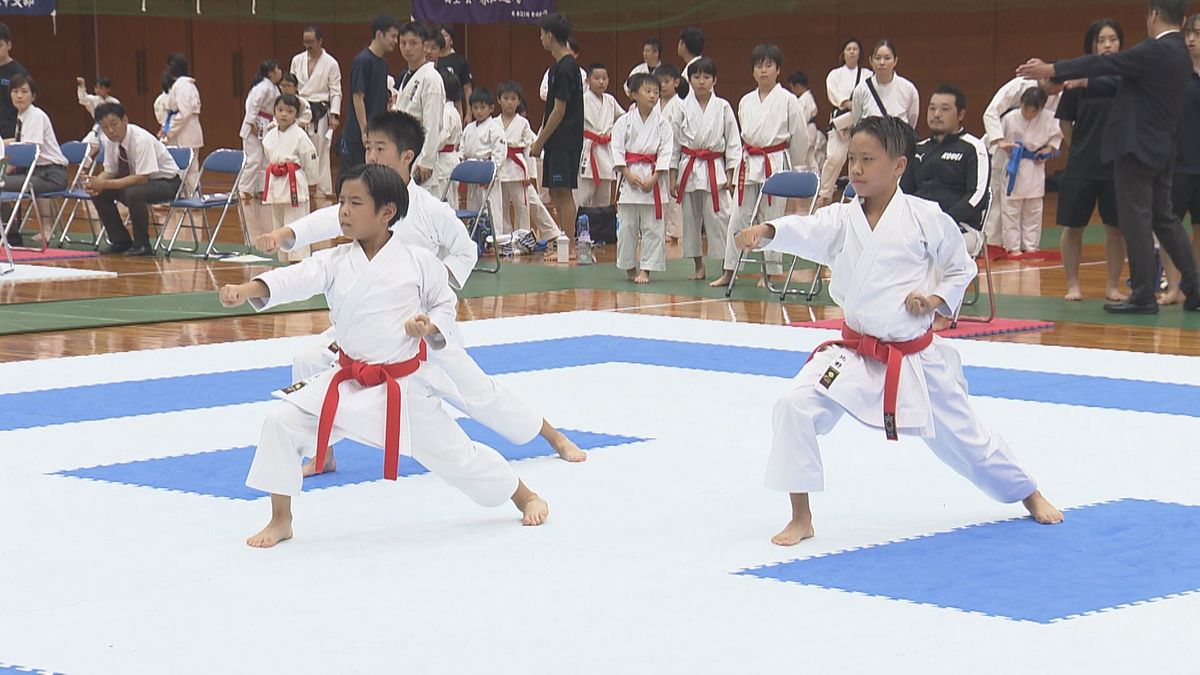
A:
x: 602, y: 223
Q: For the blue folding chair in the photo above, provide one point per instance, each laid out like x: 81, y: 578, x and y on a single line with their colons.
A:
x: 77, y: 153
x: 478, y: 172
x: 23, y: 157
x: 226, y: 162
x: 783, y: 185
x: 849, y: 194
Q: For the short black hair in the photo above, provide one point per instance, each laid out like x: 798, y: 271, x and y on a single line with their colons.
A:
x: 1093, y: 34
x: 482, y: 95
x: 596, y: 66
x: 703, y: 65
x: 382, y: 23
x: 766, y: 52
x: 401, y: 128
x: 452, y: 85
x: 5, y: 33
x: 177, y: 65
x: 105, y: 109
x: 573, y: 44
x: 21, y: 80
x: 444, y: 28
x: 1034, y: 97
x: 317, y: 33
x: 653, y: 42
x: 667, y: 70
x: 290, y: 78
x: 1171, y: 11
x: 693, y: 40
x: 638, y: 79
x: 290, y: 100
x: 960, y: 98
x: 510, y: 87
x: 383, y: 184
x: 556, y: 25
x: 103, y: 81
x: 798, y: 77
x: 897, y: 138
x: 414, y: 28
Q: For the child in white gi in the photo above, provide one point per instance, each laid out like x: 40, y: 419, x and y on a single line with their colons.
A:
x: 451, y: 135
x: 774, y: 138
x: 1033, y: 132
x: 289, y: 84
x: 600, y: 112
x: 641, y: 147
x: 391, y: 303
x: 706, y: 148
x: 798, y: 83
x: 518, y: 172
x: 260, y: 112
x: 483, y: 139
x: 291, y: 166
x: 895, y: 261
x: 671, y: 107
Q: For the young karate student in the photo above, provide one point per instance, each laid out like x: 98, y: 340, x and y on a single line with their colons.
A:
x: 600, y: 112
x: 1033, y: 132
x: 451, y: 136
x: 183, y: 127
x: 774, y: 138
x: 651, y: 60
x: 641, y: 145
x: 291, y: 166
x: 671, y: 107
x: 896, y: 260
x: 518, y: 172
x: 260, y: 112
x: 33, y: 126
x: 706, y: 148
x: 839, y: 87
x: 422, y: 95
x: 103, y: 94
x: 483, y: 139
x: 886, y: 93
x: 393, y: 139
x: 392, y: 305
x: 798, y: 83
x: 289, y: 86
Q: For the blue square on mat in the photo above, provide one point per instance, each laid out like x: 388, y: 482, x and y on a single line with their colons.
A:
x: 222, y: 473
x: 1101, y: 557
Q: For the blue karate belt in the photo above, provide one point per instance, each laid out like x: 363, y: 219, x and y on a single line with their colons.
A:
x: 1015, y: 155
x: 166, y: 127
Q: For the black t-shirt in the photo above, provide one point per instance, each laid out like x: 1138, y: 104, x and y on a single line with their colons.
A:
x: 564, y: 84
x: 368, y: 74
x: 457, y: 63
x: 1088, y: 109
x: 1188, y: 157
x: 8, y: 112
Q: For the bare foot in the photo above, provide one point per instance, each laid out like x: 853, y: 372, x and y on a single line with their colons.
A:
x: 564, y: 446
x: 631, y: 274
x: 940, y: 323
x: 698, y: 275
x: 1075, y: 294
x: 1042, y: 510
x: 276, y: 531
x: 535, y: 511
x: 721, y: 281
x: 1115, y: 295
x: 643, y: 277
x: 310, y: 467
x: 795, y: 532
x: 1172, y: 298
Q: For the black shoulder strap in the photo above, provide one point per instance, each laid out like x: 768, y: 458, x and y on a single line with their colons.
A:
x: 878, y: 101
x: 857, y: 76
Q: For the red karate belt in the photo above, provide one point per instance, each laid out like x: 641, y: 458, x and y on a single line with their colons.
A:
x: 279, y: 170
x: 369, y: 375
x: 632, y: 158
x: 449, y: 147
x: 596, y: 139
x: 709, y: 156
x: 890, y: 353
x: 266, y: 116
x: 517, y: 155
x: 765, y: 153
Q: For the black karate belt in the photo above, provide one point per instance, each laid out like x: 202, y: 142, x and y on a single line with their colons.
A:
x: 319, y: 110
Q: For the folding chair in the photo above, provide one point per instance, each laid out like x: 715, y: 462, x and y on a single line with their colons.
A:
x: 987, y: 272
x: 77, y: 153
x: 783, y: 185
x: 20, y: 156
x: 478, y: 172
x: 226, y: 162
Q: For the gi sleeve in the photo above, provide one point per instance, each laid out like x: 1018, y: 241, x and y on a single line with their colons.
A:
x: 797, y: 133
x: 733, y: 141
x: 320, y: 225
x: 437, y: 300
x: 296, y: 282
x: 433, y: 104
x: 335, y: 89
x: 458, y: 253
x: 953, y: 267
x: 818, y: 237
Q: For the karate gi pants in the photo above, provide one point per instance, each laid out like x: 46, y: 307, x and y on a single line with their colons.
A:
x: 289, y: 435
x: 960, y: 440
x: 283, y: 215
x: 996, y: 188
x: 836, y: 149
x: 588, y: 194
x: 638, y: 225
x: 1021, y: 221
x: 743, y: 216
x: 697, y: 213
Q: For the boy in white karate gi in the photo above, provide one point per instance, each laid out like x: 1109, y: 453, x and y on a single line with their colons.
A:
x: 518, y: 172
x: 393, y: 304
x: 422, y: 95
x: 641, y: 147
x: 451, y: 136
x: 260, y: 112
x: 600, y: 112
x: 774, y: 138
x: 798, y: 83
x: 291, y: 171
x: 671, y: 107
x: 393, y: 139
x: 706, y: 148
x: 1033, y: 131
x: 483, y: 139
x: 895, y: 260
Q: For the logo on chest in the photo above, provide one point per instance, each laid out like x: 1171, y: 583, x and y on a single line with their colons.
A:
x: 952, y: 156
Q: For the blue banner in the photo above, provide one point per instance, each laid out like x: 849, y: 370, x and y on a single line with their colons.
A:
x: 479, y: 11
x: 31, y: 7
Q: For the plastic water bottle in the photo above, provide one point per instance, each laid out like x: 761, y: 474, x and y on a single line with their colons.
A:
x: 583, y: 241
x: 563, y: 247
x: 582, y: 230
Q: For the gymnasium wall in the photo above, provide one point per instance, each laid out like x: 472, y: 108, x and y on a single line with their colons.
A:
x: 974, y: 43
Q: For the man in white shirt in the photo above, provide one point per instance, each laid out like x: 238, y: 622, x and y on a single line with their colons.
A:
x: 138, y: 171
x: 320, y: 83
x: 651, y: 59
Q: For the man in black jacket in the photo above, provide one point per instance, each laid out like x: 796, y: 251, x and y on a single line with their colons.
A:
x: 1140, y: 141
x: 951, y: 167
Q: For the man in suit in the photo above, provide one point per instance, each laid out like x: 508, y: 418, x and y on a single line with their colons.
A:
x: 1140, y: 142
